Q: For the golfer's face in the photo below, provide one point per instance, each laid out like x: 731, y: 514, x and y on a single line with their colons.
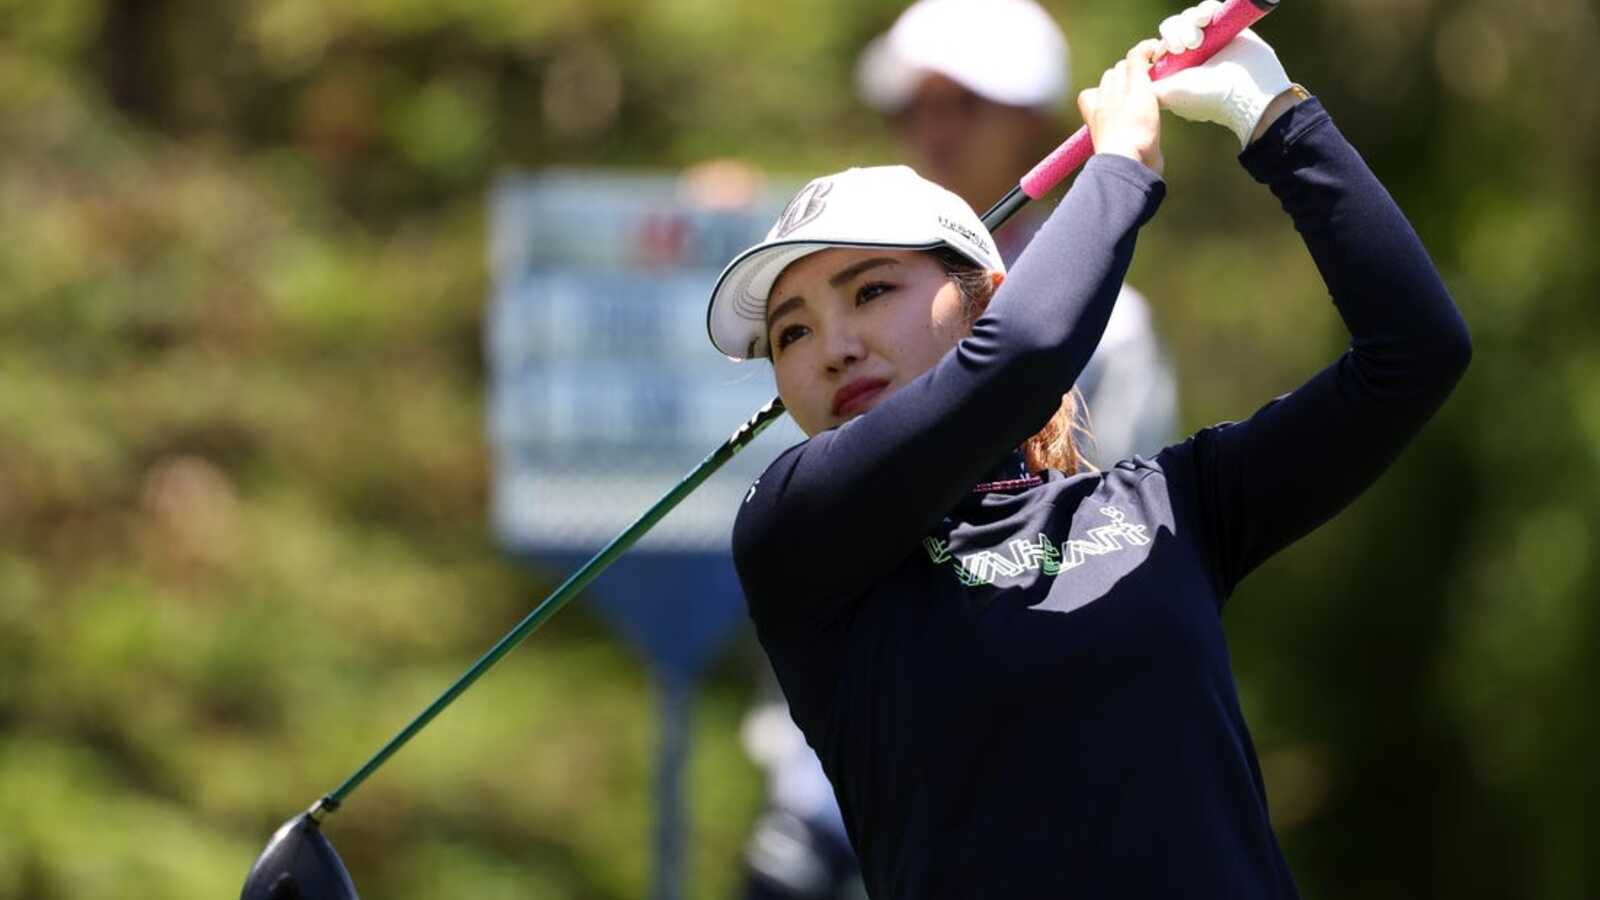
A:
x: 850, y: 327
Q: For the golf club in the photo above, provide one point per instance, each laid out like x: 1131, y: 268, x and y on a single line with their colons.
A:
x: 299, y: 863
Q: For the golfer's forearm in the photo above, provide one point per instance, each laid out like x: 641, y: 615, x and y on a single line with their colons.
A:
x: 1059, y: 294
x: 1403, y: 324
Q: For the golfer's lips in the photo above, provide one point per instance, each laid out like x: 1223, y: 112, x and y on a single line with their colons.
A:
x: 856, y: 396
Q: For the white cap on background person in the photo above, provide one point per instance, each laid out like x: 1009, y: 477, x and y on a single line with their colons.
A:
x: 1006, y: 51
x: 884, y: 206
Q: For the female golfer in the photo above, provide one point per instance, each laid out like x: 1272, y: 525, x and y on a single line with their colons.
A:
x: 1012, y: 667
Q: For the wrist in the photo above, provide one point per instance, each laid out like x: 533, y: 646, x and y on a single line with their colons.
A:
x: 1149, y: 157
x: 1286, y: 100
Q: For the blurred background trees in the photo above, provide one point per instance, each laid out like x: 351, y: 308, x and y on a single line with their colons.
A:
x: 243, y: 475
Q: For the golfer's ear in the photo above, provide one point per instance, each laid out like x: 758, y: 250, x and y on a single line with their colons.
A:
x: 996, y: 278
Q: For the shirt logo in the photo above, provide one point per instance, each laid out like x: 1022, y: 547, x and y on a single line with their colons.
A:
x: 982, y: 568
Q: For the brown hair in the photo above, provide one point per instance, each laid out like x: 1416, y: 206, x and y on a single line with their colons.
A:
x: 1057, y: 445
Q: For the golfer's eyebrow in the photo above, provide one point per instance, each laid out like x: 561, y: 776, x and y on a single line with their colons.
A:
x: 783, y: 309
x: 849, y: 272
x: 838, y: 278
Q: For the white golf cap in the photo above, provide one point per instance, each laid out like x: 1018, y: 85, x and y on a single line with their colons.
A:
x: 886, y: 206
x: 1006, y: 51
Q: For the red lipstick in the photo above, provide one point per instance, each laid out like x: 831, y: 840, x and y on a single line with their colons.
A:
x: 855, y: 396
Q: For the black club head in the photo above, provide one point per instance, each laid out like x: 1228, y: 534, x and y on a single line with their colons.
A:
x: 298, y: 864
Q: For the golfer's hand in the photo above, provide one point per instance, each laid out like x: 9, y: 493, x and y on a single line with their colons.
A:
x: 1235, y: 88
x: 1122, y: 113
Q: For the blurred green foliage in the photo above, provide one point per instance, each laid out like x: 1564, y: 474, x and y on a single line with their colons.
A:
x: 243, y: 480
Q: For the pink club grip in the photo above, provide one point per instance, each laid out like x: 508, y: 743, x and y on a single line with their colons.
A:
x: 1234, y: 17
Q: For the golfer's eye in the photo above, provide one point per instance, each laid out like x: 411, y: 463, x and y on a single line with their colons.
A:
x: 789, y: 334
x: 871, y: 291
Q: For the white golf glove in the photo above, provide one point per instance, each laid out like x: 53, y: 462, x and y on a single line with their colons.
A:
x: 1233, y: 88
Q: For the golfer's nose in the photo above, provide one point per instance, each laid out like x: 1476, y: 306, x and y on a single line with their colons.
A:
x: 844, y: 347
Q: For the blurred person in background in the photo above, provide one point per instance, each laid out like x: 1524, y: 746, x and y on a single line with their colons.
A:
x: 973, y: 89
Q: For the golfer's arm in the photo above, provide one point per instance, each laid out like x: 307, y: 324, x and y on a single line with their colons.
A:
x: 1267, y: 481
x: 851, y: 502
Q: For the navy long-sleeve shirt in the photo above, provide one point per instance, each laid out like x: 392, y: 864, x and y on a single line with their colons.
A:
x: 1021, y: 688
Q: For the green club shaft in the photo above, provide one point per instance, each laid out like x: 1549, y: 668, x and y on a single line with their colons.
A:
x: 553, y: 603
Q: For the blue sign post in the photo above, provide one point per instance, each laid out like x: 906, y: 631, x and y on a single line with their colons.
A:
x: 604, y: 391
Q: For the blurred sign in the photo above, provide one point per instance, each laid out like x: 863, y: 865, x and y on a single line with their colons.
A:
x: 604, y: 387
x: 604, y: 392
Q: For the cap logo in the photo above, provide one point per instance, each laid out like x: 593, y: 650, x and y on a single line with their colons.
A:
x: 805, y: 207
x: 964, y: 231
